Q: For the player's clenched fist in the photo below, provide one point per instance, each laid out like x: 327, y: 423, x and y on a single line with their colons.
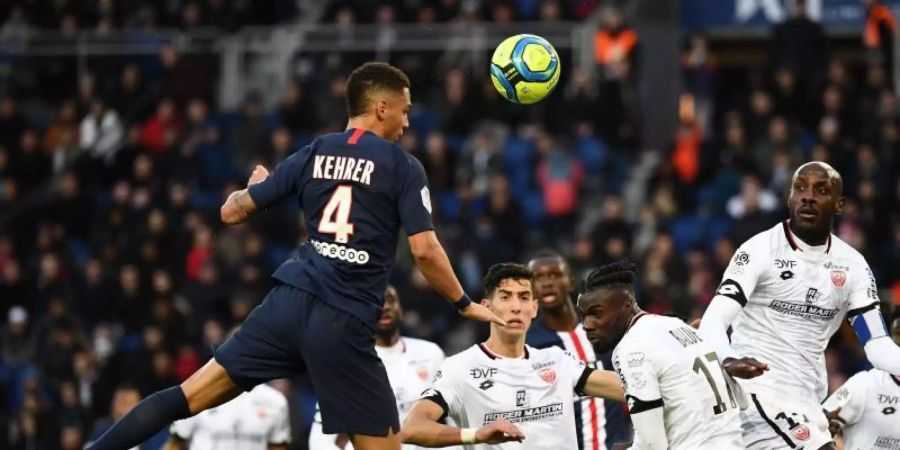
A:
x: 477, y: 312
x: 259, y: 173
x: 498, y: 432
x: 744, y: 367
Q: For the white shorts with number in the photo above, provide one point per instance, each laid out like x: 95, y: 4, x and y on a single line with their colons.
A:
x: 770, y: 424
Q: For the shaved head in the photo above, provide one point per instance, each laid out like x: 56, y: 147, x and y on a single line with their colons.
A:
x: 816, y: 198
x: 834, y: 178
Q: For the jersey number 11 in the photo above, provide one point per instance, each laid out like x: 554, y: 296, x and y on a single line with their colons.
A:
x: 714, y: 383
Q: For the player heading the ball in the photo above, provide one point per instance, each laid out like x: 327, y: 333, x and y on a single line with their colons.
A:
x: 356, y: 189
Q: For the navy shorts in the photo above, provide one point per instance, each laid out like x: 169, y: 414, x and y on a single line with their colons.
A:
x: 294, y: 332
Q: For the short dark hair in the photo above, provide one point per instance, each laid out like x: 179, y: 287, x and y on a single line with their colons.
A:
x: 619, y: 274
x: 369, y: 77
x: 503, y: 271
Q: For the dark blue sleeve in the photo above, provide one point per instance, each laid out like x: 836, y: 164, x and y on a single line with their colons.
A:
x: 415, y: 199
x: 285, y: 180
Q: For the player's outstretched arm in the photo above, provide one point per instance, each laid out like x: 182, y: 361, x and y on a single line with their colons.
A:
x: 713, y: 328
x: 422, y: 428
x: 432, y: 260
x: 239, y: 205
x: 604, y: 384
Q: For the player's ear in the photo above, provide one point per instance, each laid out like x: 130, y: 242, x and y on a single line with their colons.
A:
x: 381, y: 108
x: 839, y: 206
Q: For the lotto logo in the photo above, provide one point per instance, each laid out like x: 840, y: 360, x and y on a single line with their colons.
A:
x: 338, y: 251
x: 728, y: 289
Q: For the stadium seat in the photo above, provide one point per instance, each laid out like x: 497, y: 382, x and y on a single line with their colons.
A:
x: 593, y: 153
x: 716, y: 227
x: 533, y: 208
x: 448, y: 204
x: 422, y: 120
x: 517, y: 161
x: 686, y: 232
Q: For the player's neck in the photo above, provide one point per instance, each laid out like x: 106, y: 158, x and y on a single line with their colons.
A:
x: 562, y: 318
x: 511, y: 347
x: 811, y: 239
x: 633, y: 317
x: 387, y: 341
x: 366, y: 122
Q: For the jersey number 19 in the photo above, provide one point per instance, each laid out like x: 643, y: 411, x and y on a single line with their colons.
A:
x: 715, y: 383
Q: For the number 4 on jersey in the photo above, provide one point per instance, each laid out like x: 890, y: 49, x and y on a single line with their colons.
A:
x: 336, y: 216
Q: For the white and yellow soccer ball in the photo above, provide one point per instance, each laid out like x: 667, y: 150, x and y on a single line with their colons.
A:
x: 525, y: 68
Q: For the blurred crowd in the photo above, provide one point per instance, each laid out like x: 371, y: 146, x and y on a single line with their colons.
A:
x: 117, y: 277
x: 104, y: 16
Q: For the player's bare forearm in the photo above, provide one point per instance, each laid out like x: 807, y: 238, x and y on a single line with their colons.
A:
x: 432, y: 260
x: 605, y: 384
x: 422, y: 428
x: 238, y: 207
x: 277, y: 447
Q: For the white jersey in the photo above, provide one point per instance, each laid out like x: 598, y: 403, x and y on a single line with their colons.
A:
x: 590, y: 412
x: 477, y: 387
x: 662, y: 358
x: 870, y: 403
x: 410, y: 364
x: 252, y: 420
x: 794, y: 297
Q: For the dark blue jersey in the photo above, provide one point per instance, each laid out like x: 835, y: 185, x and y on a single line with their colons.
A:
x: 356, y: 191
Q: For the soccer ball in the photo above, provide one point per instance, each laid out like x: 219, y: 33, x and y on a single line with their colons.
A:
x: 525, y: 68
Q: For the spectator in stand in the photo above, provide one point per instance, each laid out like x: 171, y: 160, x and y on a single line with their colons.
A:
x: 295, y: 110
x: 699, y: 72
x: 134, y: 97
x: 102, y: 134
x: 250, y: 136
x: 753, y: 198
x: 878, y: 35
x: 798, y: 44
x: 160, y: 130
x: 559, y: 174
x: 124, y: 398
x: 615, y: 47
x: 494, y: 239
x: 616, y: 55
